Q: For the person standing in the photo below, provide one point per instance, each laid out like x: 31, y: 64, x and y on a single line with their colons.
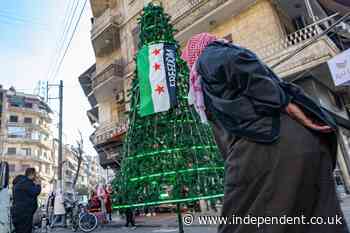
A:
x: 278, y: 145
x: 108, y: 203
x: 100, y: 191
x: 59, y: 210
x: 129, y: 218
x: 26, y: 189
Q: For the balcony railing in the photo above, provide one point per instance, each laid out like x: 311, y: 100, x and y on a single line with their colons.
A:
x: 40, y: 112
x: 108, y: 131
x: 108, y: 18
x: 290, y: 43
x: 114, y: 70
x: 24, y: 157
x: 23, y: 139
x: 30, y: 125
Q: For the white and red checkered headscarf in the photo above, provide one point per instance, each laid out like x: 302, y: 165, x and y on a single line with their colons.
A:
x: 191, y: 53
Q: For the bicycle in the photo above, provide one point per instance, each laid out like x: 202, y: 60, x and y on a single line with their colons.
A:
x: 87, y: 221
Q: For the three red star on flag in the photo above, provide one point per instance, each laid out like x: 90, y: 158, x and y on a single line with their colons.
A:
x: 156, y: 52
x: 159, y: 89
x: 156, y: 66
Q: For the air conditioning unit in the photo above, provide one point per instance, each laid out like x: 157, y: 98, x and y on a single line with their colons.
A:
x: 119, y: 97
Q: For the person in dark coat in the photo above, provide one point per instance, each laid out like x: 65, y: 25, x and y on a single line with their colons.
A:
x: 129, y: 218
x: 26, y: 189
x: 279, y: 146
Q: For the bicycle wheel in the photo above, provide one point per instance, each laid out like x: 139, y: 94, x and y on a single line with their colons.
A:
x: 87, y: 222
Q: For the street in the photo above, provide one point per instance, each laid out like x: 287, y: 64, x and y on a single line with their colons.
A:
x: 167, y: 223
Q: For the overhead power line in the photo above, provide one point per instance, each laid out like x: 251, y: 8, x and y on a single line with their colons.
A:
x: 70, y: 40
x: 70, y: 14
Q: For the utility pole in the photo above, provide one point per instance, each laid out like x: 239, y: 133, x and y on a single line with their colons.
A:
x: 60, y: 130
x: 60, y: 143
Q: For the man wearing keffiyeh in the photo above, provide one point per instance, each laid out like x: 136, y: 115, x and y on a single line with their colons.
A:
x: 279, y: 146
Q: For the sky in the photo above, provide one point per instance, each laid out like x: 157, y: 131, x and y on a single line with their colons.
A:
x: 29, y: 34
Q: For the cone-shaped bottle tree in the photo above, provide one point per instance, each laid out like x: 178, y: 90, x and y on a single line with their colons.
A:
x: 169, y: 156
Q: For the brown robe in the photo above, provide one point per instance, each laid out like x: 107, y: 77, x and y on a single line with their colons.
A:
x: 292, y: 176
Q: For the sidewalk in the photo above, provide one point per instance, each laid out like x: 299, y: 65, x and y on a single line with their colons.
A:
x: 170, y: 219
x: 160, y: 220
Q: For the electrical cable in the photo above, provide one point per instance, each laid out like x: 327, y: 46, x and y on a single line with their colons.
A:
x: 70, y: 40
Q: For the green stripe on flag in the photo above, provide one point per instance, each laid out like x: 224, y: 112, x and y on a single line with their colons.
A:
x: 146, y: 105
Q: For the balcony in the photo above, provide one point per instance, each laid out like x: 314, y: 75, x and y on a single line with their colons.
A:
x: 107, y: 141
x: 21, y: 157
x: 26, y: 140
x: 105, y: 32
x: 111, y: 159
x: 109, y: 81
x: 317, y: 53
x: 41, y: 127
x: 85, y: 80
x: 108, y: 132
x: 35, y: 111
x: 193, y: 16
x: 113, y: 71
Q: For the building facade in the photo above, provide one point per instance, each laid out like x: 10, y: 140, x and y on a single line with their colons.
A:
x: 89, y: 172
x: 274, y: 29
x: 25, y: 136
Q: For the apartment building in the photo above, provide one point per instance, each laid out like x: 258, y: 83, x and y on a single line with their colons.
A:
x: 25, y: 136
x: 89, y: 171
x: 274, y: 29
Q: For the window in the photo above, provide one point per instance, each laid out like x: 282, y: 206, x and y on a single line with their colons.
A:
x: 11, y: 151
x: 12, y: 167
x: 28, y: 120
x: 16, y: 132
x: 13, y: 118
x: 39, y: 153
x: 35, y: 135
x: 27, y: 151
x: 47, y: 169
x: 28, y: 105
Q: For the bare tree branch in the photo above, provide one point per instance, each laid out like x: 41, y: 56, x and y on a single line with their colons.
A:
x: 78, y: 151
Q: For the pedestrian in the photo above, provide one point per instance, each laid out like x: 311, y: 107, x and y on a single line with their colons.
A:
x: 59, y: 210
x: 94, y: 202
x: 129, y: 218
x: 108, y: 203
x: 100, y: 191
x: 279, y: 146
x: 26, y: 189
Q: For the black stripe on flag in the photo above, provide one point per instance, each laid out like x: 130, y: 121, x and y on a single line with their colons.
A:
x: 171, y: 71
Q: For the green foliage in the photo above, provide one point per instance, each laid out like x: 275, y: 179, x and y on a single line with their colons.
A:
x: 170, y: 156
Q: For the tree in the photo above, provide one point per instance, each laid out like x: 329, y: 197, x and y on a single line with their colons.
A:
x: 78, y: 153
x: 169, y: 156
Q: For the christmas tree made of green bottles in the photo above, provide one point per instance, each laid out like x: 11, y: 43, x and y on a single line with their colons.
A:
x: 168, y: 157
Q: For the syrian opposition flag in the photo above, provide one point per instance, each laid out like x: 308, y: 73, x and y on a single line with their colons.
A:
x: 156, y: 71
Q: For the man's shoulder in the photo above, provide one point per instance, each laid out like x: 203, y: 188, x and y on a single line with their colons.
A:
x: 18, y: 179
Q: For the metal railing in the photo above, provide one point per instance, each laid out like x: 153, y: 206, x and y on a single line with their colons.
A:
x: 30, y: 125
x: 42, y: 113
x: 107, y: 131
x: 289, y: 43
x: 113, y: 70
x: 20, y: 139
